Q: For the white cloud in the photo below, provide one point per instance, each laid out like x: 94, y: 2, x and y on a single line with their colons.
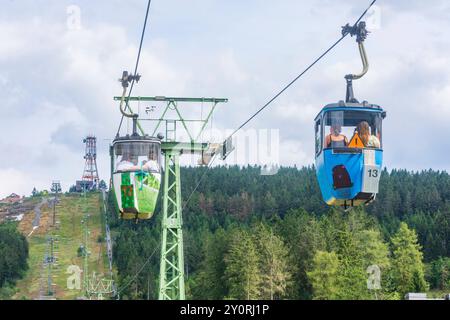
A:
x: 14, y: 181
x: 57, y: 90
x: 230, y: 68
x: 57, y: 84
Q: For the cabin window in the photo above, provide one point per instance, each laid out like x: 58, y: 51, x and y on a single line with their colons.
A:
x: 318, y: 130
x: 352, y: 129
x: 136, y: 156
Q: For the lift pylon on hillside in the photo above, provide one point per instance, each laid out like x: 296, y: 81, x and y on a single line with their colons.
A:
x: 95, y: 286
x: 171, y: 286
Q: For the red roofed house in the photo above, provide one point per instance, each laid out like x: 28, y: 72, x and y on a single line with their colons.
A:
x: 12, y: 198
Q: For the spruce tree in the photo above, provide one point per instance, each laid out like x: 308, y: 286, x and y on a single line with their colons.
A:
x: 209, y: 281
x: 324, y: 275
x: 408, y: 268
x: 242, y: 268
x: 274, y: 263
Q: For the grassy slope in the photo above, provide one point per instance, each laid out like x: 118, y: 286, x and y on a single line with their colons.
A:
x: 70, y: 212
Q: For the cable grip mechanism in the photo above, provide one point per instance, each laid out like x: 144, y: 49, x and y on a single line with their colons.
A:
x: 359, y: 30
x: 125, y: 80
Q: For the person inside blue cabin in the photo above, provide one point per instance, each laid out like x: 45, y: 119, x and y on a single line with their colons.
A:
x: 369, y: 140
x: 335, y: 139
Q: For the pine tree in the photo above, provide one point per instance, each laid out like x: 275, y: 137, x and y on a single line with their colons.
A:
x: 324, y: 275
x: 375, y: 254
x: 102, y: 185
x: 345, y: 236
x: 269, y: 205
x: 438, y: 273
x: 242, y: 273
x: 352, y: 277
x: 374, y: 250
x: 209, y: 282
x: 274, y: 263
x: 304, y: 236
x: 408, y: 268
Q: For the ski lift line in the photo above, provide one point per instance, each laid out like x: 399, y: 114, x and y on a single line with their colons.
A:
x: 137, y: 61
x: 301, y: 74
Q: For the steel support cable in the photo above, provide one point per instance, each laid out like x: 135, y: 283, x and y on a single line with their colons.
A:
x: 254, y: 115
x: 121, y: 122
x: 157, y: 246
x: 200, y: 181
x: 140, y: 270
x: 280, y: 93
x: 275, y: 97
x: 137, y: 62
x: 301, y: 74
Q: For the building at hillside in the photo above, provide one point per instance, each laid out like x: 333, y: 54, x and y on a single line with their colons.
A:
x: 12, y: 198
x: 84, y: 186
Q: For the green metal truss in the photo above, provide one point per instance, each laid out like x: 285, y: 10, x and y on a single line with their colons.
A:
x: 171, y: 281
x: 172, y: 104
x: 171, y: 285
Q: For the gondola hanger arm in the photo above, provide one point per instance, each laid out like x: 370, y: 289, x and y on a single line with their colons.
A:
x: 126, y: 80
x: 361, y: 33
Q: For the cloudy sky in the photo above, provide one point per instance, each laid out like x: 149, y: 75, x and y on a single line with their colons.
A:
x: 60, y: 61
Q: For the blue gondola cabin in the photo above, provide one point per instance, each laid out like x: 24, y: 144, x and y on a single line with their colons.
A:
x: 349, y: 153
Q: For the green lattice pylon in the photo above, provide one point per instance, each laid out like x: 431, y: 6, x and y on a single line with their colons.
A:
x: 171, y: 278
x: 171, y: 283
